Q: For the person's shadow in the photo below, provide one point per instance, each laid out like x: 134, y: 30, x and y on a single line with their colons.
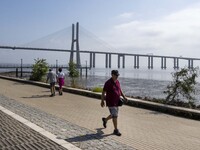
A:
x: 36, y: 96
x: 39, y: 96
x: 98, y: 135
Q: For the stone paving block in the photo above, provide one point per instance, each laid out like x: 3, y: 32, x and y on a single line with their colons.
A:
x: 15, y: 135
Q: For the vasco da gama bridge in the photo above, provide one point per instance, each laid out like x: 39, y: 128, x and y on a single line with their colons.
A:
x: 108, y: 55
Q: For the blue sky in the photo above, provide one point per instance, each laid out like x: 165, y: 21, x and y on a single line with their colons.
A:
x: 160, y: 27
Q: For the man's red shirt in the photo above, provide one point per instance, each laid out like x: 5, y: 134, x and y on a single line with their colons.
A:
x: 113, y: 92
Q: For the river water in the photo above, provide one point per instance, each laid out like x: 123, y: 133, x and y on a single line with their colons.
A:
x: 134, y: 82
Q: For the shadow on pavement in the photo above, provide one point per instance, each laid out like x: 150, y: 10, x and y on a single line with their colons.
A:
x: 19, y: 83
x: 99, y: 135
x: 46, y: 91
x: 37, y: 96
x: 155, y: 113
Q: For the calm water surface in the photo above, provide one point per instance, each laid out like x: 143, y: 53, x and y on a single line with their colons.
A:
x: 134, y: 82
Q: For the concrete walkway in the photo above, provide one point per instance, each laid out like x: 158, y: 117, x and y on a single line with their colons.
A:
x: 77, y: 119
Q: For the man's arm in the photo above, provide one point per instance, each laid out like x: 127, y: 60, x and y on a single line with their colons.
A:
x: 102, y: 98
x: 125, y: 98
x: 47, y: 78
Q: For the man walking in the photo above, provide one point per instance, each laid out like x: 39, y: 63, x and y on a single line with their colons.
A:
x: 51, y: 76
x: 113, y: 92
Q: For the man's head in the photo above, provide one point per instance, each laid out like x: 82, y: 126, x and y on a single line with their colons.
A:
x: 114, y: 74
x: 60, y: 69
x: 50, y: 69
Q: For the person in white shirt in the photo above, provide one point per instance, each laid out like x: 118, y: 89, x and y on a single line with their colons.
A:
x: 60, y: 80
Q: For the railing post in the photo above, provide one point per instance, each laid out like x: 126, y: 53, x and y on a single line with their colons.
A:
x: 81, y: 71
x: 16, y: 72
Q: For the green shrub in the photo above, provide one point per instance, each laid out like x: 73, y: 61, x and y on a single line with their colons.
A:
x: 183, y: 86
x: 73, y: 73
x: 39, y: 69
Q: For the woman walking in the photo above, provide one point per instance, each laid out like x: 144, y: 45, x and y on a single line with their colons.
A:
x: 60, y: 80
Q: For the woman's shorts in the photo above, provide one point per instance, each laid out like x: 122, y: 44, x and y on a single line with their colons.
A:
x: 61, y: 82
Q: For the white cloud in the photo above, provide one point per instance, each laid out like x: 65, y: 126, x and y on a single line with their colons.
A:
x: 126, y: 15
x: 175, y: 34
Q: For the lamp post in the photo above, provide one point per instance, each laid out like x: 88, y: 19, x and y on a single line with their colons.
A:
x: 21, y: 67
x: 56, y: 66
x: 86, y: 69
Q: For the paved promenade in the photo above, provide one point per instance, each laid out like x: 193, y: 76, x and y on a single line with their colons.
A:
x: 77, y: 119
x: 15, y: 135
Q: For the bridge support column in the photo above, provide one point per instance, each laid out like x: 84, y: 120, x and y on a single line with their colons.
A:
x: 163, y: 63
x: 150, y: 62
x: 176, y: 63
x: 92, y: 60
x: 123, y: 60
x: 136, y: 61
x: 108, y: 60
x: 106, y: 63
x: 190, y: 63
x: 118, y: 60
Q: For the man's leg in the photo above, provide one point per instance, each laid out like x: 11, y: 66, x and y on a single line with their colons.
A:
x: 108, y: 118
x: 54, y: 90
x: 115, y: 122
x: 114, y: 113
x: 52, y: 85
x: 105, y: 120
x: 51, y: 88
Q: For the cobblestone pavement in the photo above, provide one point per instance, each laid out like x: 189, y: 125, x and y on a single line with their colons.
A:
x: 79, y: 136
x: 16, y: 136
x: 77, y: 119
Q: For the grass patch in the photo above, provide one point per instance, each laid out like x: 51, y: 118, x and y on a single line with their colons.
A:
x: 97, y: 89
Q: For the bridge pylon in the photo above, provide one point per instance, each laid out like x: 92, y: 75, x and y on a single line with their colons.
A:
x: 75, y: 40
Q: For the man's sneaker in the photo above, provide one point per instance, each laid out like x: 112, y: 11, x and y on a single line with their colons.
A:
x: 104, y: 122
x: 116, y: 132
x: 51, y: 95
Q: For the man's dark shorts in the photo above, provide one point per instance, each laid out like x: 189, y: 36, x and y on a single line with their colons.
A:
x: 52, y: 84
